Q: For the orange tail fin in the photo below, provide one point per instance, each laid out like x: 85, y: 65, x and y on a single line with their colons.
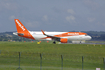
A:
x: 20, y: 27
x: 22, y: 31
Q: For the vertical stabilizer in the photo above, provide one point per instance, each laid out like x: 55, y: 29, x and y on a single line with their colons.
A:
x: 20, y: 27
x: 22, y: 31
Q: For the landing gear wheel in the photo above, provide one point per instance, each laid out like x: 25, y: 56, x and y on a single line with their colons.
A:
x: 54, y: 42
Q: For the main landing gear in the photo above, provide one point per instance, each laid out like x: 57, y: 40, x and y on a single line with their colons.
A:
x: 54, y: 42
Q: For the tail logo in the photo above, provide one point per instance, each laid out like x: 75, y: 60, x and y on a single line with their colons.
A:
x: 20, y: 25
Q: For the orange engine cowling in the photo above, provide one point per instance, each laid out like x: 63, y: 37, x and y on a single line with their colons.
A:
x: 63, y: 40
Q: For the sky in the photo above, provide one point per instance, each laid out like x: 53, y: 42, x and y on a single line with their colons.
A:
x: 53, y: 15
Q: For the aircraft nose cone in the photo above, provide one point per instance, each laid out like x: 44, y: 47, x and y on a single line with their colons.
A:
x: 89, y: 37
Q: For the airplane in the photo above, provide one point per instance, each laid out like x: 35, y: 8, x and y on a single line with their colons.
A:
x: 62, y: 37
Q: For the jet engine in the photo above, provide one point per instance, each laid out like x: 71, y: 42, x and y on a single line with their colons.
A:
x: 63, y: 40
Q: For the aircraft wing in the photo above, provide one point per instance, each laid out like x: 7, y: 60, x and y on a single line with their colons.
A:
x: 53, y: 37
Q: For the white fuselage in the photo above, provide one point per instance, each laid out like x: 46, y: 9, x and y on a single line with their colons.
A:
x: 39, y: 36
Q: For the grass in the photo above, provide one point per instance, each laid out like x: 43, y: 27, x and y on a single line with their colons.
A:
x: 51, y: 56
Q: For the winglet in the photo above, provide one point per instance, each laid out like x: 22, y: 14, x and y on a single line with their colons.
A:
x: 43, y: 32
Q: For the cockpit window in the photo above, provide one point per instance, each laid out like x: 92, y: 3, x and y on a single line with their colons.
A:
x: 86, y: 35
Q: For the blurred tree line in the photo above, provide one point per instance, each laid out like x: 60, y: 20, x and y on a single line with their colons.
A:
x: 96, y: 35
x: 8, y: 36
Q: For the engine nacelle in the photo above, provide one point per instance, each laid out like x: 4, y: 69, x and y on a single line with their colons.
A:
x: 63, y: 40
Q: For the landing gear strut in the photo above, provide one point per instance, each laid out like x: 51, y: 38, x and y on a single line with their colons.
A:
x: 80, y: 42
